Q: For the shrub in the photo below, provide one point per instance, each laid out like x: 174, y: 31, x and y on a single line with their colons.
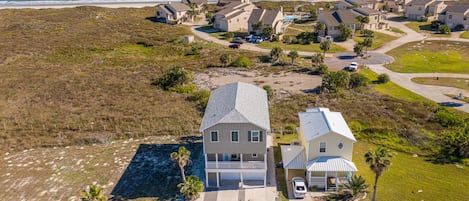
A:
x: 183, y: 89
x: 225, y: 59
x: 173, y: 77
x: 444, y: 29
x: 305, y: 37
x: 289, y: 128
x: 241, y: 61
x: 270, y: 92
x: 459, y: 27
x: 333, y: 82
x: 323, y: 69
x: 448, y: 119
x: 229, y: 35
x: 383, y: 78
x: 201, y: 98
x: 358, y: 80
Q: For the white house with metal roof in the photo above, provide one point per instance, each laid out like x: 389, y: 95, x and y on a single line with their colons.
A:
x: 325, y: 150
x: 234, y: 128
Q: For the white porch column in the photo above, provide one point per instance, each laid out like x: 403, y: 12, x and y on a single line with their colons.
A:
x: 325, y: 181
x: 206, y: 178
x: 241, y: 158
x: 336, y: 183
x: 265, y: 178
x: 205, y: 160
x: 309, y: 178
x: 218, y: 179
x: 241, y: 177
x: 286, y: 175
x: 265, y: 161
x: 216, y: 160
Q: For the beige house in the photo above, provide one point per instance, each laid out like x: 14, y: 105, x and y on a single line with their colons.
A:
x: 455, y: 15
x: 173, y: 12
x: 377, y: 20
x: 423, y: 9
x: 373, y: 4
x: 234, y: 17
x: 261, y: 18
x: 324, y: 151
x: 333, y: 19
x: 234, y: 129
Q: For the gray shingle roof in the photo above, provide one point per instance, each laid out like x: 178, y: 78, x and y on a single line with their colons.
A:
x: 329, y: 19
x: 420, y: 2
x: 266, y: 16
x: 366, y: 11
x: 237, y: 103
x: 458, y: 8
x: 175, y: 7
x: 339, y: 16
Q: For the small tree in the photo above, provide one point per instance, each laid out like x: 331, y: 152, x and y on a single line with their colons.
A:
x: 93, y: 193
x: 293, y: 55
x: 173, y: 77
x: 379, y: 161
x: 313, y: 14
x: 333, y: 82
x: 368, y: 42
x: 367, y: 33
x: 358, y: 49
x: 358, y: 186
x: 383, y: 78
x: 225, y: 59
x: 320, y: 28
x: 257, y: 26
x: 242, y: 61
x: 275, y: 53
x: 345, y: 32
x: 362, y: 20
x: 325, y: 45
x: 191, y: 188
x: 182, y: 156
x: 323, y: 69
x: 358, y: 80
x: 268, y: 32
x: 229, y: 35
x: 444, y: 29
x: 317, y: 59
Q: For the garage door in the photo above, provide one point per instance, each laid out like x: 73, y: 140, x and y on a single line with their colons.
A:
x: 230, y: 176
x: 254, y: 176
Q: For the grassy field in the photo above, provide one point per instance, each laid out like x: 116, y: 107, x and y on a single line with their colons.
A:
x: 396, y: 30
x: 424, y: 27
x: 431, y: 57
x: 379, y: 39
x: 313, y: 47
x: 461, y: 83
x: 82, y: 75
x: 465, y: 35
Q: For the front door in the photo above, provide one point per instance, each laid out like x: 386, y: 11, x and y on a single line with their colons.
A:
x: 226, y: 157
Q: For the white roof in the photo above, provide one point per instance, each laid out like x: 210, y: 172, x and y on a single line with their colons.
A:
x: 331, y: 164
x: 317, y: 122
x: 293, y: 156
x: 237, y: 103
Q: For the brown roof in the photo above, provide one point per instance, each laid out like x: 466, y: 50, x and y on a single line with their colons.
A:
x: 232, y: 7
x: 339, y: 16
x: 359, y: 2
x: 458, y: 8
x: 176, y: 7
x: 366, y: 11
x: 329, y: 19
x: 198, y: 2
x: 419, y: 2
x: 266, y: 16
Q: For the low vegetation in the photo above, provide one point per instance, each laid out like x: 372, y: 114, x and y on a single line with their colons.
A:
x: 379, y: 39
x: 431, y: 57
x: 426, y: 27
x: 462, y: 83
x: 465, y: 35
x: 313, y: 47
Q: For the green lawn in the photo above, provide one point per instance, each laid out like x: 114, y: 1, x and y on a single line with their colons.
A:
x: 313, y: 47
x: 465, y: 35
x: 409, y: 174
x: 430, y: 57
x: 424, y: 27
x: 379, y: 39
x: 396, y: 30
x: 461, y: 83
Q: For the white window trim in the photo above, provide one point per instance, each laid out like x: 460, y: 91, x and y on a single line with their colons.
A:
x: 231, y: 136
x: 256, y: 155
x: 258, y: 136
x: 325, y: 147
x: 218, y: 136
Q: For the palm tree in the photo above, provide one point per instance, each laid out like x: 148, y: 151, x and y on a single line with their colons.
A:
x: 275, y: 53
x: 317, y: 59
x: 293, y: 55
x: 93, y: 193
x: 320, y: 27
x: 362, y: 20
x: 380, y: 161
x: 368, y: 42
x: 357, y: 184
x: 182, y: 157
x: 257, y: 26
x: 191, y: 188
x: 325, y: 45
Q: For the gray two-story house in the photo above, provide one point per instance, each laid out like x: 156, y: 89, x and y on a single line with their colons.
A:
x: 234, y: 129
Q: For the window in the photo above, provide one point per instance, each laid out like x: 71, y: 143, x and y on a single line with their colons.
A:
x: 214, y: 136
x: 234, y: 136
x: 254, y: 155
x: 255, y: 136
x: 322, y: 147
x: 450, y: 16
x: 465, y: 18
x: 235, y: 157
x: 340, y: 145
x: 420, y: 8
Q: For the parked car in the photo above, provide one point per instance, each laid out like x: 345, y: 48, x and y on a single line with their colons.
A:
x: 234, y: 45
x: 299, y: 187
x: 237, y: 40
x: 353, y: 67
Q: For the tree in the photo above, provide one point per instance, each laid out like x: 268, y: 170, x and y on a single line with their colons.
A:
x: 383, y: 78
x: 313, y: 14
x: 367, y: 33
x: 268, y: 32
x: 293, y: 55
x: 345, y: 32
x: 191, y: 188
x: 242, y: 61
x: 257, y: 26
x: 275, y: 53
x: 358, y: 80
x: 225, y: 59
x: 229, y: 35
x: 368, y: 42
x: 173, y: 77
x: 379, y: 161
x: 333, y: 82
x: 93, y: 193
x: 386, y: 7
x: 358, y: 185
x: 325, y: 45
x: 182, y: 156
x: 444, y: 29
x: 320, y: 28
x: 317, y: 59
x: 362, y: 20
x: 358, y: 49
x: 323, y: 69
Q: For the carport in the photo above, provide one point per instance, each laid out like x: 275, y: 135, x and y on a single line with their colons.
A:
x: 293, y: 158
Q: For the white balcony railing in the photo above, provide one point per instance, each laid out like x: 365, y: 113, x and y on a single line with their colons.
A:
x: 236, y: 165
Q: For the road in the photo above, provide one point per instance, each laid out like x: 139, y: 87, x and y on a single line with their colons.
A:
x: 435, y: 93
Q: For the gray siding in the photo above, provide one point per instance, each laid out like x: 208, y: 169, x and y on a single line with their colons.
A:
x: 246, y: 157
x: 224, y: 145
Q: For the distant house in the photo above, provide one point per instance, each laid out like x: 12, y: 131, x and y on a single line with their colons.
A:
x: 395, y: 5
x: 199, y: 3
x: 225, y: 2
x: 173, y: 12
x: 234, y: 17
x: 261, y: 18
x: 333, y: 19
x: 234, y: 129
x: 325, y: 149
x: 423, y: 9
x: 455, y: 15
x: 377, y: 20
x: 363, y: 3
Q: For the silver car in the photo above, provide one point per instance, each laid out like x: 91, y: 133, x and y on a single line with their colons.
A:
x: 299, y: 187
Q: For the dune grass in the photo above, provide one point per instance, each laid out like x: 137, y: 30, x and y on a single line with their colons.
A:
x: 313, y: 47
x: 431, y: 57
x: 379, y: 39
x: 461, y: 83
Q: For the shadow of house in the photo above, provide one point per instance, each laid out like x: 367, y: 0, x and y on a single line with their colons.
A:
x: 151, y: 172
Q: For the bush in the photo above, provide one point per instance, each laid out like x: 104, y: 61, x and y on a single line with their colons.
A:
x: 270, y: 92
x: 201, y: 98
x: 229, y: 35
x: 333, y: 82
x: 448, y: 119
x: 323, y: 69
x: 183, y: 89
x: 289, y: 128
x: 241, y: 61
x: 444, y: 29
x: 173, y: 77
x: 358, y: 80
x: 383, y: 78
x: 459, y: 27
